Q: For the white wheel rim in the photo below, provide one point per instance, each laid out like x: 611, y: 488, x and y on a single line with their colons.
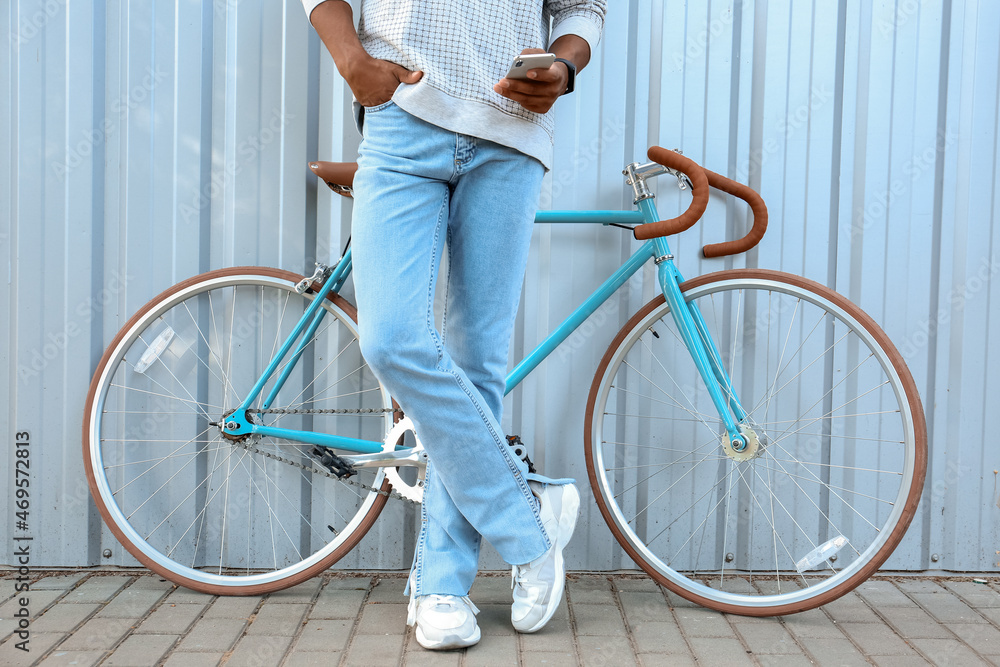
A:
x: 694, y: 587
x: 104, y: 489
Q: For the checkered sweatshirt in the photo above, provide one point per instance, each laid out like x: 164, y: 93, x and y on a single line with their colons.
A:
x: 464, y: 47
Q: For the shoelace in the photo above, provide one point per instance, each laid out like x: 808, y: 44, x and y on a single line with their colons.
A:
x: 515, y: 571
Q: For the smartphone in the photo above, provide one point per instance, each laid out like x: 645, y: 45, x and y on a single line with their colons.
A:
x: 528, y: 61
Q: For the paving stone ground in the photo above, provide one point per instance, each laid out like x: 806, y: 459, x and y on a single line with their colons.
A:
x: 358, y: 618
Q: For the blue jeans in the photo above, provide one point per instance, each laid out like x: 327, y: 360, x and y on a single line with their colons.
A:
x: 421, y: 189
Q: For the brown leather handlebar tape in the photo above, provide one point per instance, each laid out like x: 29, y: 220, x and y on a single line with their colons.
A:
x: 699, y: 190
x: 700, y: 179
x: 750, y: 196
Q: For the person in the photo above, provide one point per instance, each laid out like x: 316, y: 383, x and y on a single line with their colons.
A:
x: 451, y: 160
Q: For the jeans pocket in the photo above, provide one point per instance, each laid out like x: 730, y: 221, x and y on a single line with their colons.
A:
x: 363, y: 112
x: 379, y: 107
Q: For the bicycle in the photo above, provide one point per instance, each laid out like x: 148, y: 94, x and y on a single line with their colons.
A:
x: 754, y: 441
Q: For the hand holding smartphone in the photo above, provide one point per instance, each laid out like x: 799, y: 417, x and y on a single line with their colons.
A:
x: 536, y: 93
x: 529, y: 61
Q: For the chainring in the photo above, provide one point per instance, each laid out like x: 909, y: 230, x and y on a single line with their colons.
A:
x: 391, y: 493
x: 411, y: 491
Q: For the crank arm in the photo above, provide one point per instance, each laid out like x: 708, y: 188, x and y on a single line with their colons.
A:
x: 409, y: 456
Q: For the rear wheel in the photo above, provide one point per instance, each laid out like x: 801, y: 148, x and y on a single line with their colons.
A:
x: 231, y: 516
x: 833, y: 470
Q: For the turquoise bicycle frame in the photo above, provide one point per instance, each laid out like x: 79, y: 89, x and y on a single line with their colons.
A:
x: 687, y: 317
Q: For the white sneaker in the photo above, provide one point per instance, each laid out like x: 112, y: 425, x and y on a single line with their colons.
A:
x: 444, y: 621
x: 538, y: 586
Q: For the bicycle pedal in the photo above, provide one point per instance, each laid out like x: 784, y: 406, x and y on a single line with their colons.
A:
x: 520, y: 450
x: 335, y: 464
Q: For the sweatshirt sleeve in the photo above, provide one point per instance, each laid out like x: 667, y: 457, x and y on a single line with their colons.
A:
x: 310, y: 5
x: 583, y: 18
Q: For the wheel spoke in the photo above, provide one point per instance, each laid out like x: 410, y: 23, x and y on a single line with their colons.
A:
x: 208, y: 346
x: 204, y: 512
x: 708, y: 515
x: 691, y: 411
x: 150, y: 469
x: 183, y: 500
x: 673, y: 400
x: 847, y: 504
x: 853, y: 492
x: 833, y: 451
x: 664, y: 467
x: 700, y: 417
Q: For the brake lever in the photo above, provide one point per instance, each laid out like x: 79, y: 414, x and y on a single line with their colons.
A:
x: 683, y: 182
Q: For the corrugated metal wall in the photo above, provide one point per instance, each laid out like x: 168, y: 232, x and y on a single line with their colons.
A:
x: 144, y: 142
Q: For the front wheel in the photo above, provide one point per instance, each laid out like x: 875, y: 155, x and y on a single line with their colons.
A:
x: 231, y: 516
x: 835, y: 460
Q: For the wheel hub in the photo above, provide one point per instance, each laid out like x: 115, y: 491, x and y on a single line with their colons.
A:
x: 223, y: 424
x: 753, y: 449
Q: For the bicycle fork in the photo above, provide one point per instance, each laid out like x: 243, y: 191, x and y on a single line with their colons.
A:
x: 694, y: 332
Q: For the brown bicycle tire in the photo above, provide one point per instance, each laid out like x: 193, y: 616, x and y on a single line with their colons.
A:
x: 912, y: 398
x: 280, y: 584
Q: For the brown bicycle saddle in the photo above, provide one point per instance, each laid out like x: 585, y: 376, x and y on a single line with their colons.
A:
x: 338, y: 175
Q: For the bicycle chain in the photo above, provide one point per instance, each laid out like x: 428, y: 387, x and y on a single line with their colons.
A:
x: 325, y: 473
x: 331, y: 411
